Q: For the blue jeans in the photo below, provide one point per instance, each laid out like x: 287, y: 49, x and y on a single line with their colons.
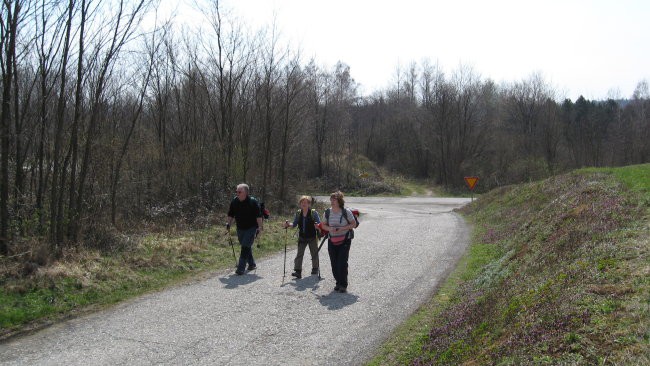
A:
x: 246, y: 238
x: 339, y: 255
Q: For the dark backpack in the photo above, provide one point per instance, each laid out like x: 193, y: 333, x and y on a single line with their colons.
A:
x: 266, y: 214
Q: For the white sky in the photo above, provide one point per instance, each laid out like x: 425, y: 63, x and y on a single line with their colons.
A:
x: 590, y: 48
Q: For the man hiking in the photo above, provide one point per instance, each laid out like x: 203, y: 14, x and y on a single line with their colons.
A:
x: 305, y: 220
x: 246, y: 212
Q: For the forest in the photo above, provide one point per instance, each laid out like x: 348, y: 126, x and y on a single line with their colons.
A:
x: 110, y: 119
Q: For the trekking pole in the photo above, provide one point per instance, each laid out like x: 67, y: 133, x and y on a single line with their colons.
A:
x: 318, y: 251
x: 233, y: 249
x: 286, y: 240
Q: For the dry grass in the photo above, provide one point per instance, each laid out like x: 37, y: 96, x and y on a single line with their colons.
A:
x: 38, y: 290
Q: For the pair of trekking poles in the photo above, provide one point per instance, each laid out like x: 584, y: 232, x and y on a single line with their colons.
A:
x: 284, y: 270
x: 286, y: 241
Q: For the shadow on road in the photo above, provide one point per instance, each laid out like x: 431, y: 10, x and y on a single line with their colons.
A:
x: 337, y: 301
x: 311, y: 283
x: 233, y: 281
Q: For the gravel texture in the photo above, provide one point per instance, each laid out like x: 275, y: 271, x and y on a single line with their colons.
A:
x: 402, y: 250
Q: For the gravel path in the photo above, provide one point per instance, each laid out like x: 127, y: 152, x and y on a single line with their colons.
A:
x: 402, y: 250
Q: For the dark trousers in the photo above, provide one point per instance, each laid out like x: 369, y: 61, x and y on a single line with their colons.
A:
x: 339, y: 255
x: 245, y: 257
x: 246, y: 238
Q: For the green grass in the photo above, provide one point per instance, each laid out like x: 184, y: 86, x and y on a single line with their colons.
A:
x: 635, y: 177
x: 558, y: 272
x: 408, y: 339
x: 89, y: 280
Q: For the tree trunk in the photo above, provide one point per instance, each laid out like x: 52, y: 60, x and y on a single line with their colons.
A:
x: 56, y: 191
x: 73, y: 215
x: 8, y: 46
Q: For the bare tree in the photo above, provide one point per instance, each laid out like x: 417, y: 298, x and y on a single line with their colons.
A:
x: 551, y: 134
x: 293, y: 106
x: 134, y: 118
x: 10, y: 15
x: 228, y: 63
x: 439, y: 96
x: 320, y: 100
x: 50, y: 34
x: 340, y: 146
x: 56, y: 191
x: 641, y: 121
x: 25, y: 79
x: 246, y: 121
x: 76, y: 120
x: 123, y: 27
x: 271, y: 75
x: 525, y: 102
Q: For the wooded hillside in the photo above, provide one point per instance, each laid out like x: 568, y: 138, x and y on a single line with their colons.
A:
x: 107, y: 122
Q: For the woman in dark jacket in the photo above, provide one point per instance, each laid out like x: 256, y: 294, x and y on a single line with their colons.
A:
x: 305, y: 220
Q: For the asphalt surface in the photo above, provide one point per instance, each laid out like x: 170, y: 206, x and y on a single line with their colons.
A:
x: 402, y: 250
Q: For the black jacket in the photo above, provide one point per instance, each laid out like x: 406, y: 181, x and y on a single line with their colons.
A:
x: 245, y: 212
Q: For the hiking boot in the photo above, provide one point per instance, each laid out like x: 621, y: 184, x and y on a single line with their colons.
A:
x: 252, y: 267
x: 297, y: 274
x: 239, y: 273
x: 314, y: 271
x: 336, y: 288
x: 342, y: 289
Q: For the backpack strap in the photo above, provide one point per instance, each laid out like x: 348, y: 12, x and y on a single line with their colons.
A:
x: 255, y: 203
x: 356, y: 221
x: 345, y: 214
x: 296, y: 217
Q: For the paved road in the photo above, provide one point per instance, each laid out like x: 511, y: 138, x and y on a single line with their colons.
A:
x: 402, y: 250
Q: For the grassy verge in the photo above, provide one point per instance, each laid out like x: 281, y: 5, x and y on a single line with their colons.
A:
x: 407, y: 341
x: 558, y: 273
x: 87, y: 280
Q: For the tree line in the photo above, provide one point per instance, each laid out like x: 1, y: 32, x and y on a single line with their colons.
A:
x: 106, y: 120
x: 445, y: 126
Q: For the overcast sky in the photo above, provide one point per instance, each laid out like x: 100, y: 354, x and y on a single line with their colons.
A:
x: 590, y: 48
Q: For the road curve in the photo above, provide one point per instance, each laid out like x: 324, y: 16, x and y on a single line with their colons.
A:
x: 403, y: 248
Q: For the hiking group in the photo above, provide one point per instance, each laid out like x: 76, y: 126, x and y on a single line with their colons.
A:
x: 338, y: 228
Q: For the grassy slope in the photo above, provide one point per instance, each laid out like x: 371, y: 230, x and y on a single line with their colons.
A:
x: 558, y: 273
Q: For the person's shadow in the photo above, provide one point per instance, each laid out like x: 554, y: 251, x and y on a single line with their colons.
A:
x: 311, y: 282
x: 336, y: 300
x: 233, y: 281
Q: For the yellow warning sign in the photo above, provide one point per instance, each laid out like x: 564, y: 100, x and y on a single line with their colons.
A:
x: 471, y: 182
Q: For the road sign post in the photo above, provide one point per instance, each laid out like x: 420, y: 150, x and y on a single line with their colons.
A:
x: 471, y: 184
